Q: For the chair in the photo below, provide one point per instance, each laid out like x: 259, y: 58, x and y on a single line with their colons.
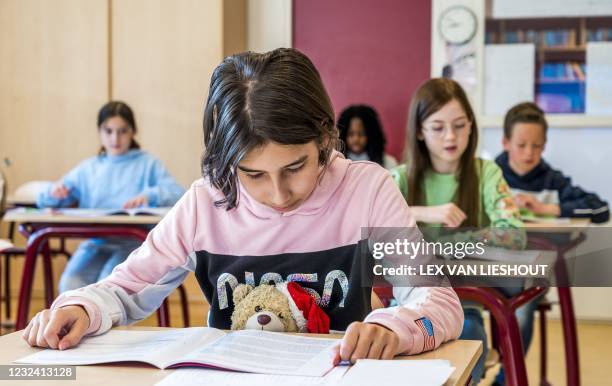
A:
x: 24, y: 195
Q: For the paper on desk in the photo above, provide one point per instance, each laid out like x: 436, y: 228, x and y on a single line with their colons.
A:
x: 5, y: 244
x: 198, y: 377
x: 368, y: 372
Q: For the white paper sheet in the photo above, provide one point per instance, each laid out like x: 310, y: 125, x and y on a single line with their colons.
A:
x: 5, y: 244
x: 599, y: 78
x: 199, y: 377
x: 508, y: 76
x: 398, y: 372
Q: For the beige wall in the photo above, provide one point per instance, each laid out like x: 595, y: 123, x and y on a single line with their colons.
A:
x: 163, y: 54
x: 269, y: 24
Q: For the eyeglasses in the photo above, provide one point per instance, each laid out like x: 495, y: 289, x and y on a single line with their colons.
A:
x: 458, y: 128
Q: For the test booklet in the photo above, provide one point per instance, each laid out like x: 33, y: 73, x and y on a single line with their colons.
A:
x: 250, y: 351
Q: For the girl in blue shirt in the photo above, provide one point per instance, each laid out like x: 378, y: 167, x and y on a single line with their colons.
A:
x: 120, y: 176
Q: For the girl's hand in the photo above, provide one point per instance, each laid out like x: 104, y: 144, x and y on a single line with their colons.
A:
x: 366, y: 341
x: 59, y: 190
x: 136, y: 202
x: 60, y: 328
x: 448, y: 214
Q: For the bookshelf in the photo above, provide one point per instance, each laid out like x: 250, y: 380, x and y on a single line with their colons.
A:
x: 560, y: 66
x: 560, y: 59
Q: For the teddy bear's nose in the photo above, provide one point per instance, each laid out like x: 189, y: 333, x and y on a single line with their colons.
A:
x: 263, y: 319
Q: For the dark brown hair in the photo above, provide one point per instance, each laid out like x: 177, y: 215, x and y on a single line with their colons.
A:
x: 526, y: 112
x: 117, y: 109
x: 430, y: 97
x: 256, y: 98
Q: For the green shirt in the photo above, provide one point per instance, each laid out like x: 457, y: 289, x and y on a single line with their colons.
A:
x: 497, y: 208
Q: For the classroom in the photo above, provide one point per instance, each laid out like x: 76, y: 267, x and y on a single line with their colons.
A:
x: 342, y: 192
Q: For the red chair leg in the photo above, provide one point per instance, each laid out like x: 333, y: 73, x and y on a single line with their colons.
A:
x: 543, y: 345
x: 510, y: 343
x: 48, y: 274
x: 25, y: 289
x: 184, y: 305
x: 7, y: 285
x: 569, y: 336
x: 1, y: 298
x: 163, y: 317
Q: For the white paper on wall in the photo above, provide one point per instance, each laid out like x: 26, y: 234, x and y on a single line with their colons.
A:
x: 509, y: 72
x: 599, y: 78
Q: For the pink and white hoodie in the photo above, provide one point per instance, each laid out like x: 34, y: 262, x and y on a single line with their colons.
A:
x: 316, y: 245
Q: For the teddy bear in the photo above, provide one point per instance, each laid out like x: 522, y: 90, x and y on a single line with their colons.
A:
x: 284, y: 307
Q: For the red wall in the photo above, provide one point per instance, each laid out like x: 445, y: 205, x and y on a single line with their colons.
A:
x: 368, y: 51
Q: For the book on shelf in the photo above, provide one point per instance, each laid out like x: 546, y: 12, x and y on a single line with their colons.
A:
x: 250, y: 351
x: 562, y: 71
x: 552, y: 38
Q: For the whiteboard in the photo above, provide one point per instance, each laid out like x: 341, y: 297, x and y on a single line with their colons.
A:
x: 508, y: 76
x: 550, y: 8
x: 599, y: 78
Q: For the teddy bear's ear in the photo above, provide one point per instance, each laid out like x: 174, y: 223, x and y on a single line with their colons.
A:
x: 241, y: 291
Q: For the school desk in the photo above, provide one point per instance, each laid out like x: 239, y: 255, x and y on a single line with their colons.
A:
x: 39, y: 227
x: 502, y: 309
x: 462, y: 354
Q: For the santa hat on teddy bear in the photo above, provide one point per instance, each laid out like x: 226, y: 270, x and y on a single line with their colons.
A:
x: 304, y: 309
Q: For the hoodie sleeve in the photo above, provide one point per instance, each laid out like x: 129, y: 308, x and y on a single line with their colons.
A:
x: 164, y: 190
x: 575, y: 202
x: 138, y: 286
x: 72, y: 181
x: 506, y: 229
x: 426, y: 316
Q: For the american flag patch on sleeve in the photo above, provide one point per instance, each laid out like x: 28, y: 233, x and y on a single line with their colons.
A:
x: 429, y: 340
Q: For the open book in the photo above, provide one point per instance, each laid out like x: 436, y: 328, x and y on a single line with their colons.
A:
x: 247, y: 350
x: 78, y: 212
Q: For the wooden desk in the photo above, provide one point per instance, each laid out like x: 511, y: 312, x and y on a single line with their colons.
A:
x: 35, y: 216
x: 561, y: 238
x: 562, y: 227
x: 39, y: 226
x: 462, y: 354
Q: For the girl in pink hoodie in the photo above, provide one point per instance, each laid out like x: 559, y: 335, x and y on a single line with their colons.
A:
x: 277, y: 202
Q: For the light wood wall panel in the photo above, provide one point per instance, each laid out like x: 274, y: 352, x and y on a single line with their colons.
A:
x: 163, y: 54
x: 61, y: 60
x: 53, y: 79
